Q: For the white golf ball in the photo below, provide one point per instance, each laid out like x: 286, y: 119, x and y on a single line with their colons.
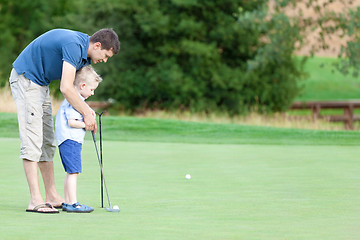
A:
x: 116, y: 207
x: 188, y: 176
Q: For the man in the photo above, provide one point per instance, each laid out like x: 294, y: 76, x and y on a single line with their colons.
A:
x: 55, y: 55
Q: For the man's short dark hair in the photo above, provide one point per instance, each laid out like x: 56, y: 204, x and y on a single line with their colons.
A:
x: 108, y: 38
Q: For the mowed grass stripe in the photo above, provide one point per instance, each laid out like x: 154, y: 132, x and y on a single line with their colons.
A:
x: 161, y: 130
x: 236, y: 192
x: 324, y: 82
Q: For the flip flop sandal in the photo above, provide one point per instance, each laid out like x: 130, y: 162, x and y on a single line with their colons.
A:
x: 45, y: 205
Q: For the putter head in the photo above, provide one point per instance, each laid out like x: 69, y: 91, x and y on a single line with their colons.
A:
x: 112, y: 210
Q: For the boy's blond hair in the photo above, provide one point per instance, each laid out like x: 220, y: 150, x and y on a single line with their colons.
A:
x: 87, y: 74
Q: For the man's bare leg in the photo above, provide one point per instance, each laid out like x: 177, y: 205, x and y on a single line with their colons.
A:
x: 32, y: 176
x: 47, y: 172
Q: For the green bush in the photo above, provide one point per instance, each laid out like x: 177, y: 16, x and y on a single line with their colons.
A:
x: 203, y: 56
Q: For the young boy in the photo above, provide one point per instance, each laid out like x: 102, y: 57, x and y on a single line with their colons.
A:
x: 70, y: 133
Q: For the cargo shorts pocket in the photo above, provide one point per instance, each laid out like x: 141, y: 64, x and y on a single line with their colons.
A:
x: 30, y: 115
x: 34, y: 102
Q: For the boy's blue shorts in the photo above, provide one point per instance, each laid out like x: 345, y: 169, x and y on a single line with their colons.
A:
x: 70, y: 153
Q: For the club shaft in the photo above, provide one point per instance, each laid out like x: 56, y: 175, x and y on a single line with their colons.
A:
x: 101, y: 160
x: 101, y: 168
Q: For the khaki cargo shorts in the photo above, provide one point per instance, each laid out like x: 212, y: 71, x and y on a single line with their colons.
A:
x: 35, y: 118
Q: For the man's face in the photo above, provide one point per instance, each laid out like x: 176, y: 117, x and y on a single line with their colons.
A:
x: 100, y: 55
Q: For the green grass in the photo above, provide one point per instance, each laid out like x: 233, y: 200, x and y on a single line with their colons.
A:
x: 132, y: 129
x: 326, y: 83
x: 247, y: 183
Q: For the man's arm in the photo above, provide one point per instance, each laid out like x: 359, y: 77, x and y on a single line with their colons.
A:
x: 68, y: 90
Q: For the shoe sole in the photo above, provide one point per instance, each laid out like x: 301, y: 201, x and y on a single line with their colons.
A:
x: 79, y: 211
x: 34, y: 211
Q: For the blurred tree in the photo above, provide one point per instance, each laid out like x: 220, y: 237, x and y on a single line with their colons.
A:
x: 195, y: 54
x: 328, y: 20
x: 20, y: 23
x: 225, y: 55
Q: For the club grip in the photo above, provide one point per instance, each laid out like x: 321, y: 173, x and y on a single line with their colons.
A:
x: 93, y: 135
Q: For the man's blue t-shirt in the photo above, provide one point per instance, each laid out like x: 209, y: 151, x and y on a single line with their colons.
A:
x: 42, y: 60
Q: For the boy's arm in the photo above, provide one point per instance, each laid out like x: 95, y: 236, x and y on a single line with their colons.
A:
x: 76, y: 123
x: 69, y: 92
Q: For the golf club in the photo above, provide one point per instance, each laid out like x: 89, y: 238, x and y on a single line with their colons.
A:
x: 109, y: 209
x: 101, y: 159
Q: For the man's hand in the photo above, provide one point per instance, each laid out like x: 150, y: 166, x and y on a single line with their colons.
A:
x: 90, y: 121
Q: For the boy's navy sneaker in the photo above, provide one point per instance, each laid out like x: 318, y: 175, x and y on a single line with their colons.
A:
x: 77, y: 208
x: 64, y: 205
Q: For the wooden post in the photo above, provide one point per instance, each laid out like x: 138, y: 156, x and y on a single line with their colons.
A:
x: 316, y: 112
x: 349, y: 115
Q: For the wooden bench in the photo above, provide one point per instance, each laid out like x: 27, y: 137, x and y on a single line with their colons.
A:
x: 348, y: 106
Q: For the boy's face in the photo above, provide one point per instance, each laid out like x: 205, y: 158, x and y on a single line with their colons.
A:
x: 87, y: 89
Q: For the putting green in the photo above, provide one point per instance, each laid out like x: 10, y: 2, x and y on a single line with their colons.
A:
x: 236, y: 192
